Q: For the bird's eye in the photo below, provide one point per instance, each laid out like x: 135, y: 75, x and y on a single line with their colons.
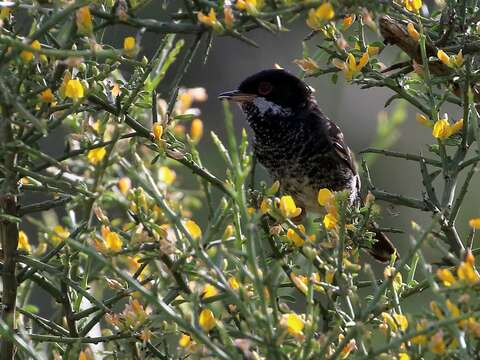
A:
x: 264, y: 88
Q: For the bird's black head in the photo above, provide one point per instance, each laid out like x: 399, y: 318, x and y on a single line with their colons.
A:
x: 274, y: 90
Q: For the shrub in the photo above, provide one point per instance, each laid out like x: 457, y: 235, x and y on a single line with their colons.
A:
x: 120, y: 254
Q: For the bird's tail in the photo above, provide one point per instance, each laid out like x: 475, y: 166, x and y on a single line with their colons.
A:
x: 382, y: 249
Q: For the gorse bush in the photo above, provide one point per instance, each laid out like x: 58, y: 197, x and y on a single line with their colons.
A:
x: 118, y: 253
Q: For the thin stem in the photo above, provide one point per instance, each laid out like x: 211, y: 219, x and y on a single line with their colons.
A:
x: 8, y: 239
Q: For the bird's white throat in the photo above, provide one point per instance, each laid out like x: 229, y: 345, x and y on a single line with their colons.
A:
x: 267, y: 107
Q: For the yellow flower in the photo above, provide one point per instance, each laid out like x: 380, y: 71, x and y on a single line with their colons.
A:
x: 265, y: 206
x: 323, y: 13
x: 233, y: 282
x: 229, y: 230
x: 453, y: 309
x: 74, y: 89
x: 209, y: 291
x: 412, y: 32
x: 401, y: 320
x: 288, y: 208
x: 300, y: 281
x: 130, y: 46
x: 95, y: 156
x: 420, y: 339
x: 373, y: 50
x: 5, y: 13
x: 60, y: 234
x: 436, y: 310
x: 207, y: 320
x: 443, y: 57
x: 47, y: 96
x: 274, y: 188
x: 446, y: 276
x: 456, y: 127
x: 422, y: 119
x: 467, y: 273
x: 329, y: 275
x: 252, y: 7
x: 474, y: 223
x: 352, y: 345
x: 437, y: 345
x: 228, y: 17
x: 458, y: 59
x: 451, y: 61
x: 348, y: 21
x: 193, y: 229
x: 442, y: 128
x: 355, y: 67
x: 157, y: 129
x: 308, y: 65
x: 184, y: 340
x: 293, y: 323
x: 23, y: 243
x: 403, y: 356
x: 196, y: 130
x: 210, y: 20
x: 28, y: 56
x: 388, y: 319
x: 351, y: 67
x: 63, y: 87
x: 294, y: 237
x: 330, y: 221
x: 325, y: 197
x: 413, y: 5
x: 124, y: 184
x: 84, y: 21
x: 166, y: 175
x: 112, y: 240
x: 469, y: 258
x: 129, y: 43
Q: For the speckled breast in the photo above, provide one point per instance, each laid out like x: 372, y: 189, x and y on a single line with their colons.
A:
x: 303, y: 169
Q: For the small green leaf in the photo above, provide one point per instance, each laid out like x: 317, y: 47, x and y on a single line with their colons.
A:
x: 334, y: 78
x: 31, y: 309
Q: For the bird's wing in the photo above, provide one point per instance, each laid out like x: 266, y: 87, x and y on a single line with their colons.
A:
x: 337, y: 140
x: 334, y: 136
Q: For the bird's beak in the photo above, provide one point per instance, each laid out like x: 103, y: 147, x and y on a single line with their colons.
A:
x: 236, y: 96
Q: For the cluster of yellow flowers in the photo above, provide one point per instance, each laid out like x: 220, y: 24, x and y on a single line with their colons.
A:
x: 318, y: 19
x: 465, y: 272
x: 251, y: 7
x: 451, y: 61
x: 28, y: 56
x: 56, y: 236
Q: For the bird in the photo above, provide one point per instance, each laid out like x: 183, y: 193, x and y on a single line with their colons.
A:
x: 299, y: 145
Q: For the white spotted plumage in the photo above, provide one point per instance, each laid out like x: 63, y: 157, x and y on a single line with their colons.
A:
x: 266, y: 107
